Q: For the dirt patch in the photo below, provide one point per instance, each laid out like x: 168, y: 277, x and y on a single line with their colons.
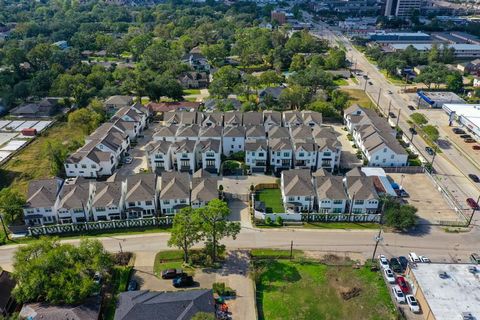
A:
x: 329, y: 258
x: 349, y: 293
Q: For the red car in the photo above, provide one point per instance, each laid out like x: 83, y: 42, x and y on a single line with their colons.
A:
x: 472, y: 203
x: 476, y: 147
x: 402, y: 283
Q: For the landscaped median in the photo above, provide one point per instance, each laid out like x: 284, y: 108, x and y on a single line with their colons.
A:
x: 302, y: 288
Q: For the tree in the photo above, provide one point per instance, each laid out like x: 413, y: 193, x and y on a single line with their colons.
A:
x: 11, y: 205
x: 224, y: 81
x: 215, y: 53
x: 270, y: 78
x: 434, y: 54
x: 400, y: 216
x: 326, y: 109
x: 56, y: 153
x: 185, y: 231
x: 454, y: 82
x: 294, y: 97
x: 336, y: 59
x: 215, y: 226
x: 431, y: 132
x: 49, y: 271
x: 298, y: 63
x: 419, y: 118
x: 85, y: 119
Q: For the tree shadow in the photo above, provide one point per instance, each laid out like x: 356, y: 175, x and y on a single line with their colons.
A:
x: 444, y: 144
x: 422, y: 228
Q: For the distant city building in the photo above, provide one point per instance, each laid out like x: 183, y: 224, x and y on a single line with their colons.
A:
x: 383, y: 37
x: 402, y: 8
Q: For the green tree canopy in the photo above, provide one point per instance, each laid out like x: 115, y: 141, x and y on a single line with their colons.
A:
x: 419, y: 118
x: 400, y: 216
x: 11, y: 205
x: 185, y: 230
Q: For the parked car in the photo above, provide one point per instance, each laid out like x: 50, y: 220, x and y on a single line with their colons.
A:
x: 413, y: 304
x: 395, y: 265
x: 476, y: 147
x: 458, y: 131
x: 402, y: 193
x: 172, y: 273
x: 383, y: 261
x: 128, y: 160
x: 398, y: 294
x: 465, y: 136
x: 389, y: 275
x: 413, y: 257
x: 424, y: 259
x: 411, y: 107
x: 389, y: 92
x: 392, y: 115
x: 183, y: 281
x: 469, y: 140
x: 474, y: 177
x: 472, y: 203
x: 475, y: 258
x: 370, y: 83
x: 403, y: 261
x: 412, y: 130
x: 402, y: 283
x: 429, y: 150
x: 132, y: 285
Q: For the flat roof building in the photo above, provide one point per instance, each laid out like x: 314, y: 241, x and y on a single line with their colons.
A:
x: 462, y: 50
x: 402, y: 8
x: 467, y: 115
x: 437, y: 99
x: 446, y: 291
x: 400, y: 37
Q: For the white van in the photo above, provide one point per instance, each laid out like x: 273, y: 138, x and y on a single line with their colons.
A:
x: 413, y: 257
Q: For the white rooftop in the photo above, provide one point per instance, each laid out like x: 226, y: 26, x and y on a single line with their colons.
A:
x: 428, y: 46
x: 449, y: 297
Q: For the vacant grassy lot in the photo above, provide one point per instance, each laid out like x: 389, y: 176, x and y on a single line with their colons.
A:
x: 340, y: 82
x: 310, y: 290
x: 170, y: 259
x: 31, y: 162
x: 272, y: 199
x: 191, y: 91
x: 359, y: 97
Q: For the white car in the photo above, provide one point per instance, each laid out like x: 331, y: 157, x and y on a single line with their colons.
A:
x: 413, y: 304
x: 383, y: 261
x: 389, y: 275
x: 398, y: 294
x: 424, y: 259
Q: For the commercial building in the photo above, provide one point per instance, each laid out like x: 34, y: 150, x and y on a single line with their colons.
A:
x: 446, y: 291
x: 437, y: 99
x: 461, y: 50
x: 383, y: 37
x: 468, y: 115
x: 402, y: 8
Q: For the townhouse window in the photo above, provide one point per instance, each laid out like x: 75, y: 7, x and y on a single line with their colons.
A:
x: 158, y: 156
x: 30, y: 211
x: 307, y: 198
x: 337, y: 210
x: 48, y: 209
x: 148, y: 203
x: 166, y: 201
x: 66, y: 166
x: 278, y: 154
x: 233, y: 139
x: 93, y: 166
x: 100, y: 209
x: 210, y: 154
x: 384, y: 149
x: 286, y: 154
x: 291, y: 198
x: 76, y: 166
x: 232, y: 146
x: 337, y: 201
x: 183, y: 201
x: 113, y: 208
x: 384, y: 160
x: 357, y: 210
x: 260, y: 154
x: 131, y: 204
x: 239, y: 146
x: 84, y: 166
x: 301, y: 154
x: 139, y: 203
x: 77, y: 210
x: 253, y: 154
x: 392, y: 156
x: 327, y: 154
x: 184, y: 155
x: 376, y: 158
x: 359, y: 202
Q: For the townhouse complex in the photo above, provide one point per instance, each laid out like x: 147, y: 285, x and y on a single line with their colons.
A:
x: 143, y: 195
x: 322, y: 192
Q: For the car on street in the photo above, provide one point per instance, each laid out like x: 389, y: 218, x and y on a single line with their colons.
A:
x: 424, y: 259
x: 411, y: 107
x: 172, y: 273
x: 183, y: 281
x: 402, y: 193
x: 395, y: 265
x: 472, y: 203
x: 383, y: 261
x: 474, y: 177
x: 475, y: 258
x: 403, y: 261
x: 389, y: 92
x: 398, y: 294
x: 412, y: 130
x: 429, y: 150
x: 370, y: 83
x: 465, y: 136
x: 469, y: 140
x: 128, y: 160
x: 476, y: 147
x: 458, y: 131
x: 413, y: 303
x: 389, y: 275
x: 132, y: 285
x: 402, y: 283
x: 365, y: 77
x: 392, y: 115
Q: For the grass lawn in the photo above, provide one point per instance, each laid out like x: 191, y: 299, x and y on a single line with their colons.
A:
x: 393, y: 80
x: 30, y: 163
x: 266, y: 253
x: 340, y: 225
x: 340, y: 82
x: 120, y: 278
x: 358, y: 96
x: 310, y: 290
x: 170, y: 259
x: 272, y: 199
x: 191, y: 91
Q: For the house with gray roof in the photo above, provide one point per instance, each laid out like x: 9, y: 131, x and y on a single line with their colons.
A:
x: 329, y: 149
x: 255, y: 132
x: 180, y: 117
x: 297, y: 190
x: 209, y: 119
x: 131, y: 114
x: 178, y: 305
x: 183, y: 155
x: 271, y: 118
x: 211, y: 132
x: 301, y: 131
x: 252, y: 118
x: 330, y: 193
x: 47, y: 107
x: 292, y: 118
x: 360, y: 189
x: 175, y: 191
x: 90, y: 161
x: 277, y: 132
x: 141, y: 195
x: 39, y: 208
x: 256, y: 155
x: 208, y: 155
x: 233, y: 139
x: 222, y: 104
x: 132, y: 128
x: 189, y: 132
x: 204, y: 190
x: 166, y: 133
x: 159, y: 155
x: 311, y: 118
x: 108, y: 201
x: 281, y: 153
x: 114, y: 103
x: 233, y: 118
x: 304, y: 154
x: 74, y: 202
x: 87, y: 310
x: 270, y: 95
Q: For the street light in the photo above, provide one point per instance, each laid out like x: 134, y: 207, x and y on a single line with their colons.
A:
x: 473, y: 212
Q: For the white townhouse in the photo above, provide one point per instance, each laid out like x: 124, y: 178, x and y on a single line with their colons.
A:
x: 159, y: 155
x: 204, y: 190
x: 90, y: 162
x: 256, y: 155
x: 175, y: 192
x: 292, y: 118
x: 271, y: 119
x: 232, y: 118
x: 281, y: 154
x: 211, y: 132
x: 40, y: 208
x: 108, y: 201
x: 330, y: 193
x: 209, y: 119
x: 167, y: 133
x: 141, y: 195
x: 188, y: 132
x: 132, y: 114
x: 208, y: 154
x: 253, y: 118
x: 297, y: 190
x: 74, y: 201
x: 311, y: 118
x: 329, y: 149
x: 361, y: 192
x: 111, y: 139
x: 304, y: 154
x: 183, y: 155
x: 255, y: 133
x: 276, y: 132
x: 131, y: 128
x: 180, y: 118
x: 233, y: 139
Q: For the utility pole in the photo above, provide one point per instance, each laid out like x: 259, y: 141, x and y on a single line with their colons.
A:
x: 471, y: 217
x: 378, y: 99
x: 4, y: 227
x: 378, y: 237
x: 398, y: 116
x: 291, y: 250
x: 365, y: 87
x: 389, y: 106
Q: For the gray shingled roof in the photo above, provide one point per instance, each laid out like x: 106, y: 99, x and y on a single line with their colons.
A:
x: 292, y: 117
x: 211, y: 132
x: 232, y: 118
x: 255, y: 132
x: 216, y: 118
x: 306, y: 145
x: 141, y: 187
x: 158, y: 147
x: 149, y: 305
x: 209, y: 144
x: 280, y: 144
x: 88, y: 310
x: 312, y: 116
x: 166, y: 132
x: 330, y: 187
x: 278, y: 132
x: 175, y: 185
x: 184, y: 146
x: 298, y: 182
x: 188, y: 131
x: 43, y: 193
x: 362, y: 188
x: 201, y: 173
x: 180, y: 117
x: 119, y: 100
x: 74, y: 195
x: 234, y: 131
x: 256, y: 144
x: 107, y: 194
x: 204, y: 189
x: 301, y: 132
x: 272, y: 116
x: 252, y: 118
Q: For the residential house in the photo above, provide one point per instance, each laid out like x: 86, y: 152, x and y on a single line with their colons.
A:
x: 270, y: 95
x: 253, y: 118
x: 272, y: 119
x: 39, y: 208
x: 141, y: 195
x: 255, y: 133
x: 204, y: 190
x: 167, y: 133
x: 256, y: 154
x: 108, y: 201
x: 164, y: 305
x: 329, y: 149
x: 311, y: 118
x: 7, y: 301
x: 193, y: 80
x: 46, y: 107
x: 292, y: 118
x: 211, y: 132
x: 109, y: 138
x: 276, y: 132
x: 196, y: 61
x: 210, y: 119
x: 472, y: 67
x: 301, y: 132
x: 363, y: 197
x: 304, y: 154
x: 208, y: 155
x: 74, y: 202
x: 89, y: 161
x: 115, y: 103
x: 188, y: 132
x: 162, y: 107
x: 131, y: 114
x: 281, y: 153
x: 330, y: 193
x: 222, y: 104
x: 180, y: 118
x: 232, y: 118
x: 175, y: 192
x: 183, y: 155
x: 233, y: 140
x: 297, y: 190
x: 131, y: 128
x: 159, y: 155
x: 89, y: 309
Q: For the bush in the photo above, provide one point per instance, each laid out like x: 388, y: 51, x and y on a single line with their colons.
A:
x: 349, y: 137
x: 279, y: 221
x: 268, y: 221
x: 222, y: 290
x: 419, y: 118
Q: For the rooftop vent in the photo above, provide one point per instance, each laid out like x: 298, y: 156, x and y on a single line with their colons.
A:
x: 472, y: 269
x: 443, y: 275
x: 467, y: 316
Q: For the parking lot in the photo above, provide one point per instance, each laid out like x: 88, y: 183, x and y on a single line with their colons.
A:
x: 429, y: 202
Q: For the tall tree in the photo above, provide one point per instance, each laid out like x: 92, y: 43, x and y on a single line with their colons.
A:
x: 185, y: 231
x: 11, y: 205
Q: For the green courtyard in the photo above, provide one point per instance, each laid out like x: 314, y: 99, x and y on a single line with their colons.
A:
x: 272, y: 198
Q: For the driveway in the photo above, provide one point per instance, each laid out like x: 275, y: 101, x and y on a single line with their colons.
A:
x: 348, y: 159
x: 241, y: 213
x: 241, y: 185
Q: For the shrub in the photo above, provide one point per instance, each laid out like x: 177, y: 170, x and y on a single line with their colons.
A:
x: 279, y: 221
x: 349, y: 137
x: 268, y: 220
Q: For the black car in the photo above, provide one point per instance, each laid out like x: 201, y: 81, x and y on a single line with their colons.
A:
x: 172, y: 273
x: 403, y: 262
x: 392, y: 115
x: 429, y: 151
x: 411, y: 107
x: 466, y: 136
x: 474, y: 177
x: 132, y: 285
x: 395, y: 265
x: 370, y: 83
x: 458, y: 131
x: 183, y: 281
x: 412, y: 130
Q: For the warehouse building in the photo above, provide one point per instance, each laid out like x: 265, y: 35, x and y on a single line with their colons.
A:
x: 468, y: 115
x: 436, y: 99
x: 462, y: 50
